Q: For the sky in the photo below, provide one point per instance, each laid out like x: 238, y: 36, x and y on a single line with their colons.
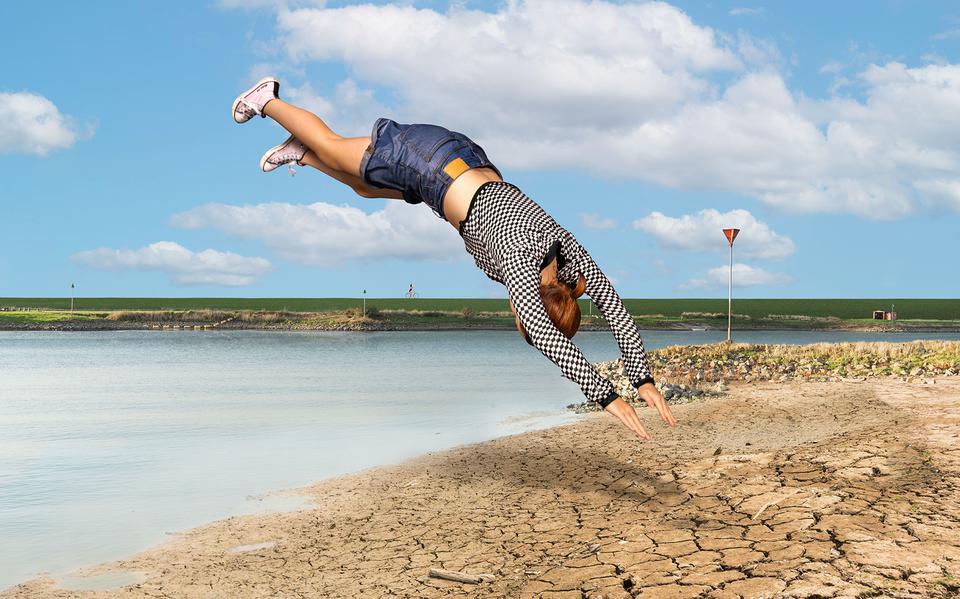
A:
x: 825, y: 131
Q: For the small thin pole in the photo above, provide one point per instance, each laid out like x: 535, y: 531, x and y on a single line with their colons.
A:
x: 71, y: 297
x: 364, y: 303
x: 730, y: 297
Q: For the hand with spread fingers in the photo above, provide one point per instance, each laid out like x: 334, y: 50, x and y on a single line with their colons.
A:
x: 650, y: 394
x: 628, y: 416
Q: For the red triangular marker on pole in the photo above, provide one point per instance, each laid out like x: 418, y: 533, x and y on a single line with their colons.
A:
x: 731, y: 234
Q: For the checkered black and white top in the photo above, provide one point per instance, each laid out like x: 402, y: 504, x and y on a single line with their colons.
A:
x: 508, y: 235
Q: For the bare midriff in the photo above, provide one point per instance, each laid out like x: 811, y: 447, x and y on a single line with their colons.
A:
x: 457, y: 199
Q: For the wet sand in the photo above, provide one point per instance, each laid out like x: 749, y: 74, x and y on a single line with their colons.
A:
x: 832, y: 489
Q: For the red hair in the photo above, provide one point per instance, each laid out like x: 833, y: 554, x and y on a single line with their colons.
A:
x: 560, y: 303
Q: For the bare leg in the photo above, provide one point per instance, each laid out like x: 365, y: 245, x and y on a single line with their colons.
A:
x: 334, y: 151
x: 354, y: 181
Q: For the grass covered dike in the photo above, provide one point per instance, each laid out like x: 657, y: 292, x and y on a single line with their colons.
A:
x: 458, y: 313
x: 786, y: 309
x: 351, y: 319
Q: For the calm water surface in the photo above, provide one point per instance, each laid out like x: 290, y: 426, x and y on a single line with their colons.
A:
x: 108, y: 440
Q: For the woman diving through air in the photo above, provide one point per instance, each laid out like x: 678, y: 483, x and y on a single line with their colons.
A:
x: 511, y: 238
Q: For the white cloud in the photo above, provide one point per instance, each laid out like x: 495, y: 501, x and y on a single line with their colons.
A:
x: 560, y: 65
x: 185, y: 267
x: 702, y: 232
x: 831, y: 68
x: 322, y: 234
x: 934, y: 58
x: 742, y: 11
x: 757, y: 52
x: 943, y: 191
x: 744, y: 275
x: 811, y: 156
x: 596, y: 222
x: 640, y: 91
x: 32, y: 124
x: 949, y: 34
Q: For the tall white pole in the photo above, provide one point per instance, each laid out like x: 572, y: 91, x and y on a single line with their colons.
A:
x: 71, y: 297
x: 730, y: 296
x: 364, y: 303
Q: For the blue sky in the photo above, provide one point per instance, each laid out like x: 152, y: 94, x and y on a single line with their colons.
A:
x: 824, y: 130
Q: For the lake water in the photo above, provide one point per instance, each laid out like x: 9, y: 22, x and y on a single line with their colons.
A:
x: 110, y: 439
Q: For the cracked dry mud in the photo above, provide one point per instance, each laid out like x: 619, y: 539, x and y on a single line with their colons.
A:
x: 841, y: 489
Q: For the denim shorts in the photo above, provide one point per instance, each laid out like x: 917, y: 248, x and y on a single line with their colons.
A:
x: 421, y: 161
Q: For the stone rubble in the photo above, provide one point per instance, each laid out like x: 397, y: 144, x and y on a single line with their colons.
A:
x: 674, y: 393
x: 694, y: 364
x: 691, y: 372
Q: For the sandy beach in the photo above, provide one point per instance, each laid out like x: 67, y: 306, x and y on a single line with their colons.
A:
x: 815, y: 489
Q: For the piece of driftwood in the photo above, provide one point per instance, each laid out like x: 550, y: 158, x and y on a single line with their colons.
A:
x: 461, y: 576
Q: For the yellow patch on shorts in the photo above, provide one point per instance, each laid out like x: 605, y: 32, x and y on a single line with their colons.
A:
x: 455, y: 168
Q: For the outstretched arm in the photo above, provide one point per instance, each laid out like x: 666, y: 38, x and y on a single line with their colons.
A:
x: 636, y: 365
x: 522, y: 279
x: 523, y: 282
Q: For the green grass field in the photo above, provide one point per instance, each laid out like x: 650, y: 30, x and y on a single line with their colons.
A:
x: 847, y: 309
x: 44, y: 316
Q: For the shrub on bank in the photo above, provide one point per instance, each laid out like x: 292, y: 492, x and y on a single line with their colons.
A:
x: 169, y: 316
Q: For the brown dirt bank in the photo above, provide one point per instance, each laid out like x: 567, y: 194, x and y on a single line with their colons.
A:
x: 413, y: 320
x: 819, y: 489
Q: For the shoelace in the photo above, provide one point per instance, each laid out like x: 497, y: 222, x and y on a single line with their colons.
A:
x: 250, y: 106
x: 289, y: 157
x: 258, y: 110
x: 279, y: 159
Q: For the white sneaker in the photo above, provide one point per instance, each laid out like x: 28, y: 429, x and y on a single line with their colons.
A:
x: 251, y: 102
x: 291, y: 150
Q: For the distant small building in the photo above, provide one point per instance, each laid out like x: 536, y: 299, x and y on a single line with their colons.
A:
x: 884, y: 315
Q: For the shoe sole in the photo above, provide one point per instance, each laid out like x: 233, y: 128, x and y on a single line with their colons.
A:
x: 236, y: 103
x: 263, y: 159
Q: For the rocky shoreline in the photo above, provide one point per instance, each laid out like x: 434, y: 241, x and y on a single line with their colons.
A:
x: 817, y: 361
x: 691, y: 372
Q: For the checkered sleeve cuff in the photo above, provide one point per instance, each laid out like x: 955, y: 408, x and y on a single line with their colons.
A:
x: 636, y: 382
x: 609, y: 399
x: 602, y: 393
